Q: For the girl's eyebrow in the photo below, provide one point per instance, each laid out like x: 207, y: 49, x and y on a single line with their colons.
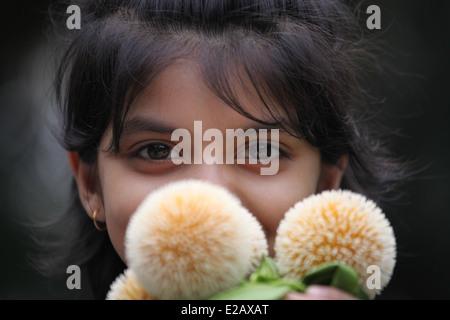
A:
x: 139, y: 124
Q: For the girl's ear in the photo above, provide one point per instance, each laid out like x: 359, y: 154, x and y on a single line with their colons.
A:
x: 331, y: 175
x: 84, y: 175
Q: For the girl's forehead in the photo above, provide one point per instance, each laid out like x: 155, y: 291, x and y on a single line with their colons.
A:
x: 180, y: 93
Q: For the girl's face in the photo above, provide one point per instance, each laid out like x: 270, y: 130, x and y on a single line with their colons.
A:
x: 175, y: 99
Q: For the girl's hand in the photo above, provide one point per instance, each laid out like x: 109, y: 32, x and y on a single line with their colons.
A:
x: 316, y: 292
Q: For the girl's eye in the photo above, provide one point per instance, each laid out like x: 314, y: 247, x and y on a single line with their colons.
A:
x: 262, y: 151
x: 155, y: 152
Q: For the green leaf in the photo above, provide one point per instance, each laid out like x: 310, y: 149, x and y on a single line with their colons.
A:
x: 254, y: 291
x: 293, y: 284
x: 266, y: 283
x: 266, y: 271
x: 335, y: 274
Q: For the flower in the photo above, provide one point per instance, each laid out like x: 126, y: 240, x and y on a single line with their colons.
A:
x: 192, y: 239
x: 339, y: 226
x: 127, y: 287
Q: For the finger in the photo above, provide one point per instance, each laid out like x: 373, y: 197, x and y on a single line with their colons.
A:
x: 319, y: 293
x: 297, y: 296
x: 327, y: 293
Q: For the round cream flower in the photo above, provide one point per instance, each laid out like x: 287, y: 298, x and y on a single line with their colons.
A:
x: 127, y: 287
x: 337, y: 226
x: 192, y: 239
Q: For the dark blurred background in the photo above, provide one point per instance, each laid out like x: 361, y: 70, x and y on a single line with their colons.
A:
x: 34, y: 174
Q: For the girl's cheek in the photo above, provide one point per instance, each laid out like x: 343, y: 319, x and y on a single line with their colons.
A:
x: 117, y: 219
x: 120, y: 203
x: 122, y: 191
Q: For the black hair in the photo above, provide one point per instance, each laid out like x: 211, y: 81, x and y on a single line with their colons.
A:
x: 303, y: 57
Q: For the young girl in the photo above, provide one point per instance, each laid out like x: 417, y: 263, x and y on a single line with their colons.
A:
x: 138, y: 70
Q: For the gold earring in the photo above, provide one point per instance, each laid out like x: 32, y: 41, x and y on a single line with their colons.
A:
x: 95, y: 222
